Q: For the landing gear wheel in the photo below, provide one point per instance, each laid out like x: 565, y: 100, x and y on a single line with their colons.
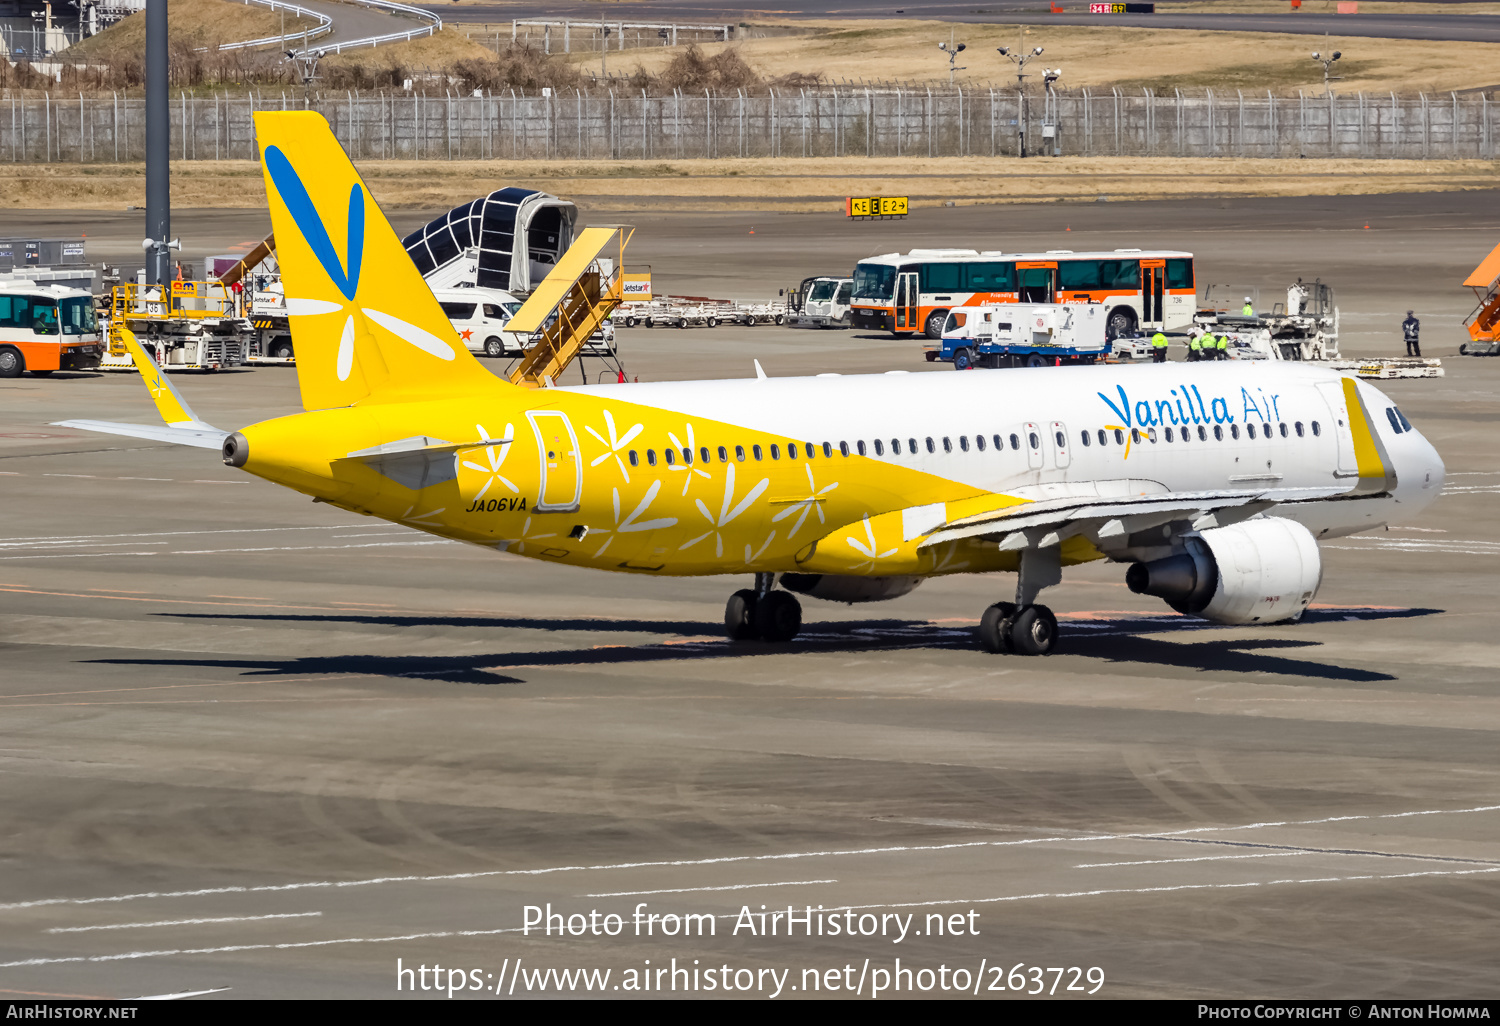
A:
x: 963, y: 359
x: 777, y: 616
x: 739, y: 616
x: 994, y: 627
x: 493, y: 347
x: 1033, y: 631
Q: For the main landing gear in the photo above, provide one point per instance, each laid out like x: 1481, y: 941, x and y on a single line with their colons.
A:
x: 762, y: 614
x: 1022, y: 626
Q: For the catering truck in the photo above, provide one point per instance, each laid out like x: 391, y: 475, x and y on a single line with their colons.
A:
x: 1023, y: 335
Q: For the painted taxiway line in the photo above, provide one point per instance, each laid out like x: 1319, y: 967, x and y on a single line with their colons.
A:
x: 706, y: 890
x: 1183, y: 834
x: 182, y: 922
x: 990, y: 900
x: 1203, y: 858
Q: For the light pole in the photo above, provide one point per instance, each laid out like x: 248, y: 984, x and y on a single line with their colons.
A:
x: 1020, y: 60
x: 1050, y: 119
x: 953, y: 51
x: 1327, y: 63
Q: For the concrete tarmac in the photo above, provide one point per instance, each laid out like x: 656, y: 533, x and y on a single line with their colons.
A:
x: 257, y: 743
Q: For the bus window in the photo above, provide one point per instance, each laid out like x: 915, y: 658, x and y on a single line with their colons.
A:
x: 1179, y: 274
x: 941, y: 277
x: 989, y: 277
x: 1127, y: 273
x: 43, y: 318
x: 874, y: 281
x: 78, y: 316
x: 1079, y: 275
x: 15, y: 311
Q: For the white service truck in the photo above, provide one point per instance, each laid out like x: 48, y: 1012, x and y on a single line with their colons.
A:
x: 1024, y: 335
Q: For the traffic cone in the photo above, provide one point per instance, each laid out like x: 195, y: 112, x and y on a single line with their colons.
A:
x: 621, y: 380
x: 752, y: 230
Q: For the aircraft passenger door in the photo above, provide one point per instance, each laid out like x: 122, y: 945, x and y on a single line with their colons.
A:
x: 1059, y: 439
x: 1153, y: 282
x: 1333, y: 395
x: 562, y: 468
x: 1031, y: 437
x: 908, y: 315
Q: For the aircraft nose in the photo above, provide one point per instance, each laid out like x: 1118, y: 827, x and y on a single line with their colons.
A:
x: 1426, y: 472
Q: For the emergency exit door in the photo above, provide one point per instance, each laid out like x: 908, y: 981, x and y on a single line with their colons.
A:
x: 908, y: 313
x: 561, y: 467
x: 1153, y: 281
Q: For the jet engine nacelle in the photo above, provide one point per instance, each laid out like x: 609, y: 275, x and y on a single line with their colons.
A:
x: 842, y: 588
x: 1260, y: 571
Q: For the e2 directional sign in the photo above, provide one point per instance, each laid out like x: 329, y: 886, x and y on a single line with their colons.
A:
x: 875, y: 207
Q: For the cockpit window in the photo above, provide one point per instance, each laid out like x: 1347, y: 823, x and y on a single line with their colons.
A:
x: 1402, y: 418
x: 1394, y: 416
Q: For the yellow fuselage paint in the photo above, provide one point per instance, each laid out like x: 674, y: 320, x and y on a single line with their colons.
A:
x: 821, y: 514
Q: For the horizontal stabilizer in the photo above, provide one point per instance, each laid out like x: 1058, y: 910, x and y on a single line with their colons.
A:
x: 419, y: 461
x: 194, y: 433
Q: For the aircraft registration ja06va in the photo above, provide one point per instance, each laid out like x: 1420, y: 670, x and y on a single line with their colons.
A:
x: 1213, y: 482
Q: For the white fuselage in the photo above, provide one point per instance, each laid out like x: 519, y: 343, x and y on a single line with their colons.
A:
x: 1133, y: 408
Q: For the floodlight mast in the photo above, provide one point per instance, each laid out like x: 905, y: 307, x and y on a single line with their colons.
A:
x: 953, y: 50
x: 1020, y: 60
x: 1327, y: 63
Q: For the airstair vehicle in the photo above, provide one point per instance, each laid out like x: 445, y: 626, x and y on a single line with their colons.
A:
x: 582, y: 291
x: 1484, y: 322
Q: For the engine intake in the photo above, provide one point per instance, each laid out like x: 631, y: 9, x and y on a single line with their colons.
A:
x: 850, y: 589
x: 1260, y: 571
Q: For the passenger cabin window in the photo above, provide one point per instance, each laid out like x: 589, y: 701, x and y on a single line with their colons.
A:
x: 1084, y: 437
x: 1299, y: 429
x: 979, y: 442
x: 828, y: 449
x: 1234, y: 431
x: 947, y: 444
x: 670, y: 455
x: 723, y: 455
x: 963, y: 442
x: 1218, y: 433
x: 1202, y: 433
x: 895, y: 447
x: 1317, y: 429
x: 1168, y: 434
x: 941, y: 277
x: 1283, y: 429
x: 775, y: 452
x: 1103, y: 437
x: 739, y: 453
x: 990, y: 277
x: 1250, y: 430
x: 879, y: 448
x: 931, y: 446
x: 859, y: 447
x: 1036, y: 443
x: 635, y: 460
x: 843, y: 448
x: 1179, y: 273
x: 651, y: 457
x: 756, y: 451
x: 1015, y: 441
x: 911, y: 446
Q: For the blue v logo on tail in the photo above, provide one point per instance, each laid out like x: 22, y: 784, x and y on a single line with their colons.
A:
x: 300, y: 205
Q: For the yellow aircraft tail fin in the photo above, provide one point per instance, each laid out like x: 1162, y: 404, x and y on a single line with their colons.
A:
x: 169, y: 402
x: 365, y: 325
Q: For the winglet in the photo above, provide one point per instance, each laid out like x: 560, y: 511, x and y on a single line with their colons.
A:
x: 169, y: 402
x: 759, y: 373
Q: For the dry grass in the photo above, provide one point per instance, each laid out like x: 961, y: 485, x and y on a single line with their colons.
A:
x: 783, y: 185
x: 1096, y: 57
x: 435, y: 51
x: 195, y: 23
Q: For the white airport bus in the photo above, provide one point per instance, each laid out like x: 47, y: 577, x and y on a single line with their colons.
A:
x: 912, y: 293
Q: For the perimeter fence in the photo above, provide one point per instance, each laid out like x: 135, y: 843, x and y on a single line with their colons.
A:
x: 833, y: 122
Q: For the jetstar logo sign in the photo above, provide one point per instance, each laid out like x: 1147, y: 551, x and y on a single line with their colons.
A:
x: 344, y: 274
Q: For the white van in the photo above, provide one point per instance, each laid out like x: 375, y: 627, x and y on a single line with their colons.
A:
x: 479, y: 316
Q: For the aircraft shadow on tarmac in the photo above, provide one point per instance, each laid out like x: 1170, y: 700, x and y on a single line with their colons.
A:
x: 1117, y: 640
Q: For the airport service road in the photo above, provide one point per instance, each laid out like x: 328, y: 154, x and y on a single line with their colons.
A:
x: 257, y: 743
x: 1416, y: 250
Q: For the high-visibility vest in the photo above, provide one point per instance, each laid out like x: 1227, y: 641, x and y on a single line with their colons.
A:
x: 1159, y: 341
x: 1223, y: 341
x: 1196, y: 344
x: 1248, y: 311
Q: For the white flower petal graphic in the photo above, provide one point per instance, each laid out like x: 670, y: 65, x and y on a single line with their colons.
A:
x: 423, y: 340
x: 346, y: 349
x: 298, y: 307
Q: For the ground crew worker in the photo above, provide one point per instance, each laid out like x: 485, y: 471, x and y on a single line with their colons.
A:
x: 1158, y: 348
x: 1223, y: 347
x: 1195, y: 348
x: 1411, y: 331
x: 1249, y: 308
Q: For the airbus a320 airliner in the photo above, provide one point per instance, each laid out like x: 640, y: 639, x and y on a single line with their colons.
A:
x: 1213, y: 482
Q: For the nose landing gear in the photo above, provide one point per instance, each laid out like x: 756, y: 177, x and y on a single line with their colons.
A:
x: 762, y: 614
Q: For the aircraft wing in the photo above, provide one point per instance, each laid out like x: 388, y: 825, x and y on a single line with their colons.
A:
x: 1049, y: 522
x: 182, y: 425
